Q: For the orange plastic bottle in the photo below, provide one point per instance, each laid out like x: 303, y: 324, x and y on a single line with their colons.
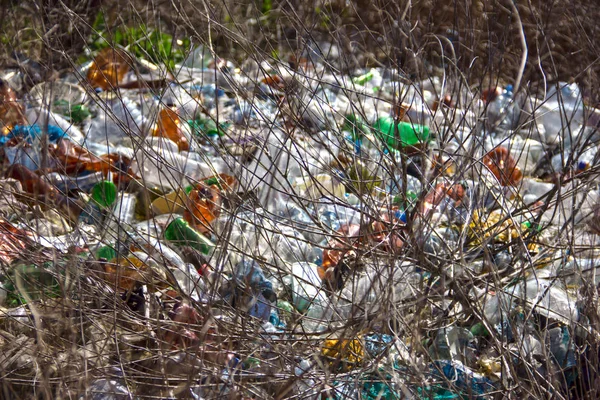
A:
x: 12, y: 111
x: 385, y: 231
x: 203, y: 207
x: 455, y: 192
x: 73, y: 158
x: 108, y: 69
x: 44, y: 191
x: 225, y: 183
x: 339, y: 247
x: 169, y: 127
x: 503, y: 166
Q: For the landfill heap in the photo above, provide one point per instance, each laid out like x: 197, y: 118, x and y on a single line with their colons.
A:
x: 275, y: 230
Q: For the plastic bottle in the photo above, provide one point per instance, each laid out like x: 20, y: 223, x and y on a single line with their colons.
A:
x: 318, y: 186
x: 290, y: 246
x: 158, y: 167
x: 31, y: 282
x: 20, y: 151
x: 582, y: 160
x: 562, y: 347
x: 394, y: 187
x: 373, y: 77
x: 73, y: 158
x: 562, y: 113
x: 173, y: 202
x: 119, y: 218
x: 108, y: 69
x: 304, y: 284
x: 12, y: 112
x: 454, y: 343
x: 305, y: 386
x: 203, y: 206
x: 503, y: 166
x: 250, y: 290
x: 318, y: 316
x: 170, y: 126
x: 65, y: 183
x: 180, y: 233
x: 208, y: 126
x: 356, y: 125
x: 43, y: 117
x: 103, y: 131
x: 443, y: 198
x: 118, y: 121
x: 345, y: 238
x: 124, y: 208
x: 128, y: 271
x: 408, y: 134
x: 503, y: 112
x: 533, y: 190
x: 527, y: 153
x: 36, y: 186
x: 63, y: 97
x: 131, y: 114
x: 103, y: 196
x: 199, y: 58
x: 461, y: 377
x: 108, y: 389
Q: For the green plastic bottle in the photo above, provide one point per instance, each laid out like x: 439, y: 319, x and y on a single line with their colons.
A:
x: 180, y: 233
x: 364, y: 78
x: 104, y: 193
x: 107, y: 252
x: 408, y: 134
x: 79, y: 113
x: 208, y: 126
x: 356, y: 126
x: 103, y: 196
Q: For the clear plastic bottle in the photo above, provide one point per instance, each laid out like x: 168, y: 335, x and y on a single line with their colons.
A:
x: 504, y: 112
x: 162, y: 168
x: 119, y: 222
x: 83, y: 183
x: 454, y: 343
x: 562, y: 114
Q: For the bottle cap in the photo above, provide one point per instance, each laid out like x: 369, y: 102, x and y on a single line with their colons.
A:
x: 104, y: 193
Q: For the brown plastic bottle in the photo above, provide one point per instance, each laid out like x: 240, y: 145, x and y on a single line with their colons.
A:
x: 44, y: 191
x: 108, y: 69
x: 169, y: 127
x: 73, y: 158
x: 12, y: 111
x: 503, y: 166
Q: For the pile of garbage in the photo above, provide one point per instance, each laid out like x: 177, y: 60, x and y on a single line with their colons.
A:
x: 275, y: 230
